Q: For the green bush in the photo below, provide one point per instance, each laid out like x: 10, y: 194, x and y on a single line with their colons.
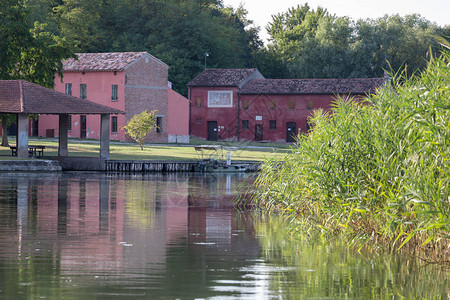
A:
x: 376, y: 169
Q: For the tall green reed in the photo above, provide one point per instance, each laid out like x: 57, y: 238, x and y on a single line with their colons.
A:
x: 375, y: 169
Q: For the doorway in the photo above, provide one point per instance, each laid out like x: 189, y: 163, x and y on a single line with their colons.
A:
x: 291, y: 132
x: 82, y: 127
x: 212, y: 130
x: 35, y: 126
x: 258, y: 132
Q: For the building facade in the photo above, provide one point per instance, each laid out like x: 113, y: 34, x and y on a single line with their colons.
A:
x: 214, y: 99
x: 129, y: 81
x: 239, y: 104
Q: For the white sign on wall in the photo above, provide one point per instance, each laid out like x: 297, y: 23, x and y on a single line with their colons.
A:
x: 220, y: 98
x: 258, y: 118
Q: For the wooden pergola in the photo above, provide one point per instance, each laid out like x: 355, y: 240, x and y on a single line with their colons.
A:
x: 24, y: 98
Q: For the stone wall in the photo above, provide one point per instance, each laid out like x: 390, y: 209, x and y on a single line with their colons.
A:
x: 178, y: 139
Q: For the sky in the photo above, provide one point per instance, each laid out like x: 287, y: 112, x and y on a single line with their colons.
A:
x: 261, y: 11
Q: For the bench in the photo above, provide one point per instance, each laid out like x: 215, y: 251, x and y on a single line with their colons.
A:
x: 33, y: 150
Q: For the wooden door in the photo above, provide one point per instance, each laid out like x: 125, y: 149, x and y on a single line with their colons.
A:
x: 82, y: 127
x: 291, y: 132
x: 258, y: 132
x: 212, y: 130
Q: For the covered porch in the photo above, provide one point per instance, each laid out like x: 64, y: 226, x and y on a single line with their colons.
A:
x: 24, y: 99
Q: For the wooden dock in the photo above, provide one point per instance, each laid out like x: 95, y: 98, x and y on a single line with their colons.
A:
x: 162, y: 166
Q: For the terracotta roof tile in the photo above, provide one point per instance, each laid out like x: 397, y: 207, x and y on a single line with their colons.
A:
x: 111, y: 61
x: 312, y: 86
x: 222, y: 77
x: 19, y: 96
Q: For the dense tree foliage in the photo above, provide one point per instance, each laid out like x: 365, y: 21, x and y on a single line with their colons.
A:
x: 179, y: 32
x: 27, y: 50
x: 304, y: 42
x: 315, y: 44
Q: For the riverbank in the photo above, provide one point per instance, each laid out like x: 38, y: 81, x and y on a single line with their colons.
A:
x: 245, y: 151
x: 376, y: 173
x: 127, y: 157
x: 34, y: 165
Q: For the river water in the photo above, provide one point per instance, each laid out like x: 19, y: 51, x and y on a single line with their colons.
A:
x: 156, y: 236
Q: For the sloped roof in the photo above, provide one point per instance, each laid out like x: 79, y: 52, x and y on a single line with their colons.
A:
x: 19, y: 96
x: 311, y: 86
x: 222, y: 77
x: 99, y: 62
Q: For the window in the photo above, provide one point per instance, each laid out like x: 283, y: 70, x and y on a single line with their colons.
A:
x: 198, y: 121
x: 69, y: 122
x: 273, y: 124
x: 220, y: 98
x: 291, y: 104
x: 114, y: 124
x: 244, y: 104
x: 158, y: 124
x: 272, y: 104
x: 198, y: 101
x: 309, y: 104
x: 114, y: 92
x: 68, y: 89
x: 244, y: 124
x: 83, y: 91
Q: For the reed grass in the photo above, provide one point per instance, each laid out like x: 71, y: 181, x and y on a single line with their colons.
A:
x: 376, y: 170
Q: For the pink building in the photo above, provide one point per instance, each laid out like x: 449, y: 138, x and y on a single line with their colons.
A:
x: 178, y: 126
x: 129, y: 81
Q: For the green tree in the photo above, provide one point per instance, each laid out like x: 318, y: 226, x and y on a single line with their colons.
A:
x: 27, y: 51
x: 316, y: 44
x: 179, y: 32
x: 140, y: 126
x: 81, y: 22
x: 394, y: 42
x: 324, y: 53
x: 288, y: 30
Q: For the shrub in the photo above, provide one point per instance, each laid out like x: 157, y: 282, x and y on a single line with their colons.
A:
x: 140, y: 126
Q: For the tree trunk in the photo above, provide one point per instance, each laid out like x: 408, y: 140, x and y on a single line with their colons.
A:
x: 4, y: 135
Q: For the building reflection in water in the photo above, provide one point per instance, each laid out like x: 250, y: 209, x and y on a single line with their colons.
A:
x: 132, y: 225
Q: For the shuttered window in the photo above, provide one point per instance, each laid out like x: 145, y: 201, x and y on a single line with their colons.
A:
x: 272, y: 124
x: 114, y: 124
x: 244, y: 124
x: 114, y: 92
x: 158, y: 124
x: 68, y: 89
x: 83, y: 91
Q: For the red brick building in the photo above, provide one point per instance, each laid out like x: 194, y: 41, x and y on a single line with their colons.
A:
x: 128, y: 81
x: 240, y: 104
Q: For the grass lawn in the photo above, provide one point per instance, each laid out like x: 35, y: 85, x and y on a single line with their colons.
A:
x: 126, y: 151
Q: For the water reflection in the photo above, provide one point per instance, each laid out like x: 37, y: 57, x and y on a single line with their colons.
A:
x: 156, y: 236
x: 116, y: 234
